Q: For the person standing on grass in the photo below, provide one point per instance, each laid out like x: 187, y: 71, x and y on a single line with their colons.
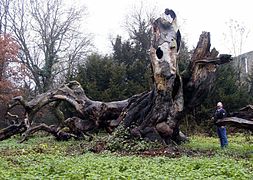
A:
x: 221, y: 113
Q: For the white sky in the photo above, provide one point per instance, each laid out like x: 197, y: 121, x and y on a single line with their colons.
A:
x: 106, y: 18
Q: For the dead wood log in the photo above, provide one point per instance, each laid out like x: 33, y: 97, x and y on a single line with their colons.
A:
x: 241, y: 119
x: 94, y: 114
x: 57, y: 132
x: 11, y: 130
x: 245, y: 112
x: 154, y: 115
x: 237, y: 122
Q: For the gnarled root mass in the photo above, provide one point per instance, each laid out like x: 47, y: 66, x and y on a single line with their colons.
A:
x: 89, y: 115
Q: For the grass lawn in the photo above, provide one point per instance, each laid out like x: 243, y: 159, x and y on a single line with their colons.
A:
x: 45, y: 158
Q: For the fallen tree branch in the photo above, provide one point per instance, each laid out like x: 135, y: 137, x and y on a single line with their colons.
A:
x: 237, y: 122
x: 12, y: 130
x: 54, y: 130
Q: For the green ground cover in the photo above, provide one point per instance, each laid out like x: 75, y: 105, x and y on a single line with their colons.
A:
x: 45, y: 158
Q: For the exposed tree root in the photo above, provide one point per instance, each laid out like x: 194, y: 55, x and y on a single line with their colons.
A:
x: 12, y: 130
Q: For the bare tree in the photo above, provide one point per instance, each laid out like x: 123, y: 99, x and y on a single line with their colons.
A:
x: 138, y: 24
x: 4, y: 8
x: 49, y: 37
x: 236, y: 37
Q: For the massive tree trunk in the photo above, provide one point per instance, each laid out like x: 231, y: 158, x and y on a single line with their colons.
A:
x: 154, y: 115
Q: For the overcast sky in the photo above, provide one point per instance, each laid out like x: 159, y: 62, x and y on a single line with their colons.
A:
x: 106, y: 18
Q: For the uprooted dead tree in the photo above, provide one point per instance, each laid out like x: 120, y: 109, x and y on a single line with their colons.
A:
x: 153, y: 115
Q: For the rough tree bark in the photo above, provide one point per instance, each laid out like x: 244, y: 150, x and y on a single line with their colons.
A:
x: 157, y: 114
x: 154, y: 115
x: 90, y: 115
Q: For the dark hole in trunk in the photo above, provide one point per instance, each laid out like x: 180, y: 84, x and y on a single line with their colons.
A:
x: 159, y: 53
x: 176, y: 86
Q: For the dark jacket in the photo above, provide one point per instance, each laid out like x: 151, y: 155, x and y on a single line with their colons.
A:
x: 219, y: 114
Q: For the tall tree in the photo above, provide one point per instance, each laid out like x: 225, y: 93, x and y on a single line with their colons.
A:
x: 134, y: 51
x: 184, y: 56
x: 237, y: 36
x: 4, y: 9
x: 10, y: 69
x: 136, y: 60
x: 47, y: 33
x: 103, y: 79
x: 225, y: 89
x: 138, y: 25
